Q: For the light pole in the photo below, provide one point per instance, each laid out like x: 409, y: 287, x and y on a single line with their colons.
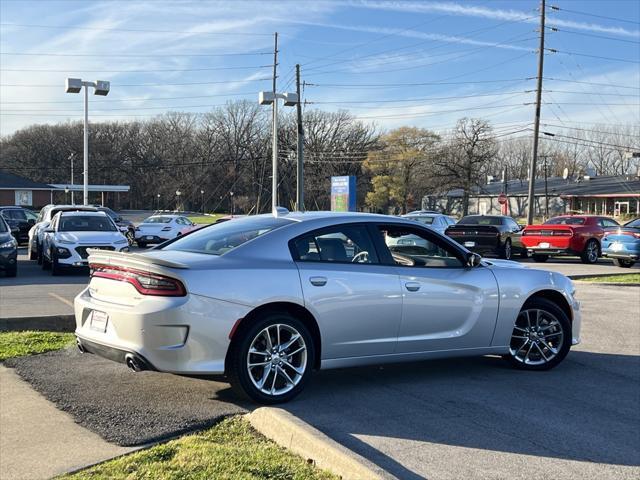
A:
x: 71, y: 157
x: 158, y: 201
x: 66, y: 193
x: 231, y: 195
x: 202, y: 200
x: 101, y: 87
x: 271, y: 98
x: 178, y: 193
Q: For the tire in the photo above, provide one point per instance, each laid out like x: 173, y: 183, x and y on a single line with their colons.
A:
x: 507, y: 251
x: 623, y: 263
x: 131, y: 237
x: 56, y: 269
x: 540, y: 258
x: 548, y: 331
x: 142, y: 245
x: 39, y: 255
x: 11, y: 271
x: 524, y: 253
x: 46, y: 264
x: 245, y: 380
x: 32, y: 255
x: 591, y: 252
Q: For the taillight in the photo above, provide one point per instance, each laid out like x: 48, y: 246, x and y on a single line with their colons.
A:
x: 145, y: 283
x: 637, y: 235
x: 562, y: 233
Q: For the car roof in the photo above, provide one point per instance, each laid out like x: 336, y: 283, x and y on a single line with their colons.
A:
x: 170, y: 215
x: 75, y: 213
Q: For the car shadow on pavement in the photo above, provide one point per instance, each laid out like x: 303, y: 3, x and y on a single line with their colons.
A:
x: 586, y: 409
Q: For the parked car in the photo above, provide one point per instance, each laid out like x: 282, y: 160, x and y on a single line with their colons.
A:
x: 160, y: 228
x: 435, y: 220
x: 8, y: 250
x: 70, y: 234
x: 567, y: 235
x: 36, y: 234
x: 127, y: 227
x: 496, y: 235
x: 21, y: 219
x: 268, y: 298
x: 622, y: 244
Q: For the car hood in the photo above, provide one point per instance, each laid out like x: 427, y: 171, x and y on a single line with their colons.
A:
x: 89, y: 237
x: 502, y: 263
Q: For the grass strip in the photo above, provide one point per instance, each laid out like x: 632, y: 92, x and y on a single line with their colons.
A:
x: 19, y: 344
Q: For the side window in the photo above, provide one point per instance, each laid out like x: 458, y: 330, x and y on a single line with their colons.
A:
x: 346, y: 244
x: 513, y: 226
x: 414, y: 248
x: 607, y: 222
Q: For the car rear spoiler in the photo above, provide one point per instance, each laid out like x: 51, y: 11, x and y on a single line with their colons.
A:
x: 108, y: 257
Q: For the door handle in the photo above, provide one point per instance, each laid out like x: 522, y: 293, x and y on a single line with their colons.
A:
x: 412, y: 286
x: 318, y: 281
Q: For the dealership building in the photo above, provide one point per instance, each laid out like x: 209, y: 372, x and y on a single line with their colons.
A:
x: 17, y: 190
x: 610, y: 195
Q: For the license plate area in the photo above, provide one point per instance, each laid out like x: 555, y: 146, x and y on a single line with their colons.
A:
x: 617, y: 246
x: 98, y: 321
x: 544, y: 245
x: 469, y: 244
x: 149, y: 237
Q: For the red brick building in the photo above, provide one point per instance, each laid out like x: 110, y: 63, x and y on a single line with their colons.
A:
x: 16, y: 190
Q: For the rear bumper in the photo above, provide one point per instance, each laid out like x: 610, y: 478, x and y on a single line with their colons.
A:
x: 551, y: 251
x: 112, y: 353
x: 154, y: 239
x: 186, y: 335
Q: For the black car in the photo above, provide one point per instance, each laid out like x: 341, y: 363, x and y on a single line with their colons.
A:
x: 20, y: 218
x: 8, y: 250
x: 497, y: 235
x: 127, y: 227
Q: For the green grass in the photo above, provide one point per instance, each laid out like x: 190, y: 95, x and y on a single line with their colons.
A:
x: 206, y: 219
x: 19, y: 344
x: 626, y: 278
x: 229, y: 450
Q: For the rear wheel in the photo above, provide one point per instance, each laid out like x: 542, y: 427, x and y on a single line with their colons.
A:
x: 540, y: 258
x: 506, y: 250
x: 541, y: 336
x: 524, y: 253
x: 620, y: 262
x: 591, y: 252
x: 271, y: 361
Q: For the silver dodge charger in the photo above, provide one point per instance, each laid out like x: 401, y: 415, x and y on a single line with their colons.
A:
x: 267, y: 299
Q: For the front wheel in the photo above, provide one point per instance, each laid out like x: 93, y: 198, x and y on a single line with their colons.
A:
x: 271, y: 361
x: 131, y: 237
x: 541, y: 336
x: 33, y: 255
x: 623, y: 263
x: 591, y: 252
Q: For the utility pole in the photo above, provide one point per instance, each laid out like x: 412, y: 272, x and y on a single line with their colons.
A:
x: 545, y: 158
x: 274, y: 147
x: 300, y: 171
x: 536, y: 125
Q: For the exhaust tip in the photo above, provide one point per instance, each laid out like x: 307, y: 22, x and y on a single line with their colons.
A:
x: 134, y: 363
x: 80, y: 346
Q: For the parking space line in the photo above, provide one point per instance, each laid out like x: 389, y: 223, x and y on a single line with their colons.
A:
x: 62, y: 299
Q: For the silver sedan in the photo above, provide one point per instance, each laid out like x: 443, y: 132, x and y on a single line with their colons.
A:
x: 267, y: 299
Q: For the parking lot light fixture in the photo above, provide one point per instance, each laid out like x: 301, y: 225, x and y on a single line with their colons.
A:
x: 202, y: 200
x: 271, y: 98
x: 100, y: 87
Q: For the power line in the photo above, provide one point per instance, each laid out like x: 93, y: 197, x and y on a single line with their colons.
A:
x: 104, y: 29
x: 135, y: 55
x: 586, y: 14
x: 603, y: 37
x: 130, y: 99
x: 418, y: 84
x: 145, y: 84
x: 590, y: 83
x: 251, y: 67
x: 589, y: 130
x: 606, y: 144
x: 599, y: 57
x: 424, y: 99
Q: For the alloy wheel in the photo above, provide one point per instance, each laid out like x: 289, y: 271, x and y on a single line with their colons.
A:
x: 277, y: 359
x: 537, y: 337
x: 592, y: 252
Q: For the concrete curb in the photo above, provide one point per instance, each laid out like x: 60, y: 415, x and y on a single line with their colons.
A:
x: 608, y: 284
x: 293, y: 434
x: 50, y: 323
x: 592, y: 275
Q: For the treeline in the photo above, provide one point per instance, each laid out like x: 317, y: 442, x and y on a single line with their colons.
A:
x: 226, y: 154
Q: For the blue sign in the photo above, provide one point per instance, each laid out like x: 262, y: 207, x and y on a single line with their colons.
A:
x: 343, y: 194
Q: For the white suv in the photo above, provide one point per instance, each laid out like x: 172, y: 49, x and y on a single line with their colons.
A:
x: 70, y: 234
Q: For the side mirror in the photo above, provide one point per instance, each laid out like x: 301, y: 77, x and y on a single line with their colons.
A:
x: 521, y: 225
x: 473, y: 259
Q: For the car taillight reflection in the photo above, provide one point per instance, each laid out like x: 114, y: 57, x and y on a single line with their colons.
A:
x: 145, y: 283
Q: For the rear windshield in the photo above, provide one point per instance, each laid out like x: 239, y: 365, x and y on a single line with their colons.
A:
x: 565, y: 221
x: 224, y: 237
x: 425, y: 220
x: 158, y: 220
x: 89, y: 223
x: 480, y: 221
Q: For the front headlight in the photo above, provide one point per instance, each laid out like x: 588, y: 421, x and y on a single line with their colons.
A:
x: 65, y: 242
x: 9, y: 244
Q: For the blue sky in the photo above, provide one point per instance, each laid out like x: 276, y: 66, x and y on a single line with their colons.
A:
x: 390, y: 62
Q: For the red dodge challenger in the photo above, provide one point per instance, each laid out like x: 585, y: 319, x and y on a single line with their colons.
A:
x: 567, y: 235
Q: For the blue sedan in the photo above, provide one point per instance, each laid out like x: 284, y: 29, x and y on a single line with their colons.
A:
x: 622, y: 244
